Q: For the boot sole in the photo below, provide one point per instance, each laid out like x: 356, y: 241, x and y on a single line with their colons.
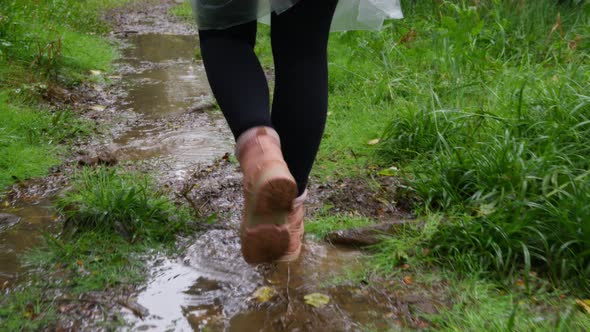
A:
x: 273, y: 196
x: 272, y: 200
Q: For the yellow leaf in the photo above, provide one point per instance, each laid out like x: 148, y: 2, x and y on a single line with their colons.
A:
x: 486, y: 209
x: 391, y: 171
x: 95, y: 72
x: 374, y: 141
x: 585, y: 304
x: 264, y: 294
x: 317, y: 300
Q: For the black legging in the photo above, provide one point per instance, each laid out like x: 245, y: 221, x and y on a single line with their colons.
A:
x: 299, y: 44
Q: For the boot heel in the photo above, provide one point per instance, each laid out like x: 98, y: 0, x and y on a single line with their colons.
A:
x: 276, y: 195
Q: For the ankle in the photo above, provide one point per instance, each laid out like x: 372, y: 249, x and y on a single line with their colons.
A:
x: 247, y: 136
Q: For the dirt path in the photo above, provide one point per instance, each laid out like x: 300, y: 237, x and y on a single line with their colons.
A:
x: 159, y: 112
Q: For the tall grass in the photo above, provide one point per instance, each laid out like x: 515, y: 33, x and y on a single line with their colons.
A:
x: 491, y: 124
x: 54, y: 37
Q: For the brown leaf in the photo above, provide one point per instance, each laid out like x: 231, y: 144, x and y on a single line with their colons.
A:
x: 408, y: 280
x: 408, y: 37
x: 556, y: 26
x: 573, y: 45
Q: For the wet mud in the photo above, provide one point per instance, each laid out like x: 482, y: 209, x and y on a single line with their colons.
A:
x: 160, y: 116
x: 20, y: 230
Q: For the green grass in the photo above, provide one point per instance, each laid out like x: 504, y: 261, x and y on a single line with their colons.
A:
x: 109, y: 201
x: 183, y: 11
x: 26, y: 309
x: 481, y: 306
x: 43, y: 45
x: 29, y: 139
x: 321, y: 225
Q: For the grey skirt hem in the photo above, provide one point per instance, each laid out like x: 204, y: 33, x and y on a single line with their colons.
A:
x: 349, y: 15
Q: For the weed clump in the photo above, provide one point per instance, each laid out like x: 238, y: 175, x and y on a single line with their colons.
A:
x: 491, y: 127
x: 107, y: 201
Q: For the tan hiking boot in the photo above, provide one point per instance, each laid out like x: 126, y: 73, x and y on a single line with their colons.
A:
x: 269, y: 190
x: 276, y: 243
x: 295, y: 228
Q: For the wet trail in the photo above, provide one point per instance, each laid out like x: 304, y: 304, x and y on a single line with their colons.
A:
x: 164, y: 85
x: 210, y: 287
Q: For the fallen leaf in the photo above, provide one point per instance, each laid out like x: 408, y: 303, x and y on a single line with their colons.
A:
x: 573, y: 45
x: 264, y: 294
x: 408, y: 280
x: 585, y: 304
x: 422, y: 324
x: 98, y: 108
x: 317, y: 300
x: 95, y: 72
x: 391, y: 171
x: 486, y: 209
x: 80, y: 263
x: 408, y: 37
x: 374, y: 141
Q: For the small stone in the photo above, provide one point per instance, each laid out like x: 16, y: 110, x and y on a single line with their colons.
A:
x: 8, y: 220
x: 98, y: 108
x: 364, y: 236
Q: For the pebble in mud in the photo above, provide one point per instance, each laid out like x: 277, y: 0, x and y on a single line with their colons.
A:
x: 365, y: 236
x: 8, y: 220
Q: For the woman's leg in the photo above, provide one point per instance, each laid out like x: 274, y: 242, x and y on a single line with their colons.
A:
x: 236, y: 76
x: 240, y: 87
x: 299, y: 44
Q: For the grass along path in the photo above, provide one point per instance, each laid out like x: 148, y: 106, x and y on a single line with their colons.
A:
x: 45, y: 46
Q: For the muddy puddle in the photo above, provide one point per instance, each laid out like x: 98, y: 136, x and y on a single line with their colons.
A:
x: 164, y: 84
x: 22, y: 228
x: 213, y: 289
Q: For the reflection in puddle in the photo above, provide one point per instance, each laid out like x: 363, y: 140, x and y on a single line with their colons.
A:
x: 211, y: 289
